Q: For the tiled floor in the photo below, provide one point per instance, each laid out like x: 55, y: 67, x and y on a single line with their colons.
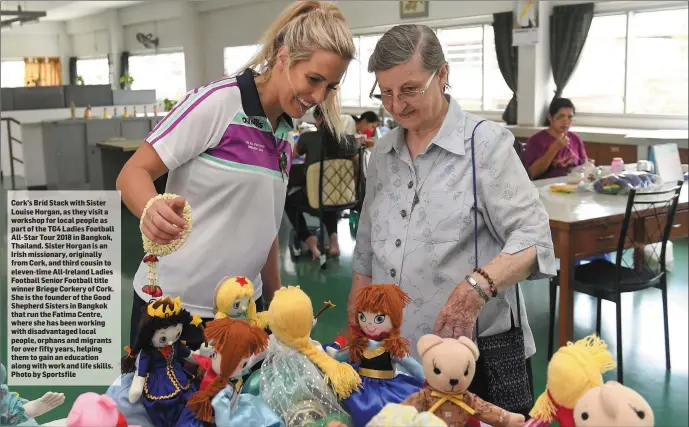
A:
x: 642, y: 321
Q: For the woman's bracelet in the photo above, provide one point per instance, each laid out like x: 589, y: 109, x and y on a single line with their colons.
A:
x: 491, y: 285
x: 474, y: 284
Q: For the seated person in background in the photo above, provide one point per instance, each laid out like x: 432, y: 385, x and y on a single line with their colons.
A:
x: 554, y: 151
x: 366, y: 124
x: 310, y: 144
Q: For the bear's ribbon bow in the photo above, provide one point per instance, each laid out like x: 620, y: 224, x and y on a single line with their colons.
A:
x: 454, y: 398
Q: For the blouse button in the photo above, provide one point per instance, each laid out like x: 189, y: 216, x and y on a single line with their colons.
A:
x: 398, y: 243
x: 411, y: 184
x: 393, y: 272
x: 403, y: 213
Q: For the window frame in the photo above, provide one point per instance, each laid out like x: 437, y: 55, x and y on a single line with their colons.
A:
x: 629, y: 12
x: 163, y: 51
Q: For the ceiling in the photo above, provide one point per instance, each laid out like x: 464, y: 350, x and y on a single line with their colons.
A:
x: 66, y: 10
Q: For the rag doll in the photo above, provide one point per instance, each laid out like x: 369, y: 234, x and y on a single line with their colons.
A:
x: 573, y: 370
x: 450, y: 365
x: 381, y: 356
x: 154, y: 250
x: 92, y: 409
x: 234, y: 298
x: 157, y: 359
x: 298, y: 380
x: 612, y: 405
x: 234, y: 343
x: 15, y: 411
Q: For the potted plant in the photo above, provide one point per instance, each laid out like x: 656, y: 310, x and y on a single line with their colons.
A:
x: 80, y: 81
x: 126, y: 81
x: 168, y: 104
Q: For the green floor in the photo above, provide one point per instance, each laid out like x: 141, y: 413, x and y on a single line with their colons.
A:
x: 642, y: 316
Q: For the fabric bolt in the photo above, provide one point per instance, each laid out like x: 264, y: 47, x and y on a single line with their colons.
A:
x: 221, y: 152
x: 427, y: 248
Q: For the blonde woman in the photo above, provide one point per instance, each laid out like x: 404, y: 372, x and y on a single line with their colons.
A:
x: 225, y: 146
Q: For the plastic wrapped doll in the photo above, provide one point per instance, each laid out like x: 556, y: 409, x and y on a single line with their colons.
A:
x: 92, y: 409
x: 381, y: 355
x: 157, y: 358
x: 291, y: 382
x: 234, y: 298
x: 15, y: 411
x: 234, y: 343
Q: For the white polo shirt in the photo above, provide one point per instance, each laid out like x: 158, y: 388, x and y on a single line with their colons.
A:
x: 225, y: 161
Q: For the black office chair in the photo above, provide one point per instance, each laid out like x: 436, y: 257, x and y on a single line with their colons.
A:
x: 649, y: 215
x: 337, y: 185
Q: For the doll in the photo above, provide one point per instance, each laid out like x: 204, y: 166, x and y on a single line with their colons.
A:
x: 450, y: 365
x: 234, y: 298
x: 92, y: 409
x: 381, y: 355
x: 572, y: 371
x: 613, y: 405
x: 234, y: 343
x: 15, y: 411
x: 291, y: 382
x: 397, y: 415
x: 157, y: 359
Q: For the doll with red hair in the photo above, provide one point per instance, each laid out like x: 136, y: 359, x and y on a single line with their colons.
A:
x: 388, y: 373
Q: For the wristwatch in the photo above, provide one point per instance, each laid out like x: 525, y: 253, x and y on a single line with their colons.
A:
x: 474, y: 284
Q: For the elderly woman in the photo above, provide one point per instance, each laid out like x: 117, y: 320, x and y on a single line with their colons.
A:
x: 417, y: 224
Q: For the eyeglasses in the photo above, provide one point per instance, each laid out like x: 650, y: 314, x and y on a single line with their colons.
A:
x: 404, y: 96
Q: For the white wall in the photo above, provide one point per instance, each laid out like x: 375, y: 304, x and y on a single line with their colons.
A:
x: 39, y: 39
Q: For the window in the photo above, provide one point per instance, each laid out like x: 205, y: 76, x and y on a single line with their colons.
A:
x: 648, y: 51
x: 357, y: 82
x: 236, y: 57
x: 475, y: 78
x: 12, y: 73
x: 94, y: 71
x: 163, y: 73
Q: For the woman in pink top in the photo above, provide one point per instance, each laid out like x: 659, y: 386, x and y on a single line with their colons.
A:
x: 554, y: 151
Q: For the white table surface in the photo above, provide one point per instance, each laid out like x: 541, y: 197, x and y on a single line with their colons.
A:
x: 582, y: 206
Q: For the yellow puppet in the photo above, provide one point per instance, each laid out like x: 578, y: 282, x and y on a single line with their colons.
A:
x: 234, y: 298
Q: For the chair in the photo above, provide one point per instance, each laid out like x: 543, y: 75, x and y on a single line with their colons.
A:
x: 332, y: 185
x: 648, y: 219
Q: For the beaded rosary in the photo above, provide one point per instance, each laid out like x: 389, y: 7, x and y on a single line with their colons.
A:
x: 155, y: 250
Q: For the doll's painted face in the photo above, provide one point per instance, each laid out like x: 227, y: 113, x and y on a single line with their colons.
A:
x: 216, y: 360
x: 374, y: 324
x: 166, y: 336
x: 239, y: 306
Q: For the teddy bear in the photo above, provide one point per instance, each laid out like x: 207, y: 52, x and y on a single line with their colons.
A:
x: 449, y: 365
x: 612, y: 405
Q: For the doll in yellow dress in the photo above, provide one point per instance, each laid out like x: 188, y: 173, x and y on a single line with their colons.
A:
x: 234, y: 298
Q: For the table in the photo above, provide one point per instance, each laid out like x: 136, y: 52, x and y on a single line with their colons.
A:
x: 114, y: 153
x: 588, y: 224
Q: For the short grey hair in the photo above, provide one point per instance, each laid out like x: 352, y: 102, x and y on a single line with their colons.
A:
x: 400, y: 43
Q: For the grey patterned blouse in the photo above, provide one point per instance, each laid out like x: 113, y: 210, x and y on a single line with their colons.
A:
x: 428, y: 248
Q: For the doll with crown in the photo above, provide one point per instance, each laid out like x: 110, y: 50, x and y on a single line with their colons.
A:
x: 388, y: 373
x: 155, y: 386
x: 234, y: 298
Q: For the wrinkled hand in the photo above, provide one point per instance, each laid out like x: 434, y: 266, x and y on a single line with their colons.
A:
x: 163, y: 223
x: 458, y: 316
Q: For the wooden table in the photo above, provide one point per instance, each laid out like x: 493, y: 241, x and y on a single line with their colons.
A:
x: 114, y: 154
x: 588, y: 224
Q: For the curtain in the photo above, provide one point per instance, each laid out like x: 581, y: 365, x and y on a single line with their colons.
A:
x: 42, y: 71
x: 508, y: 60
x: 569, y: 27
x: 73, y: 70
x: 124, y: 67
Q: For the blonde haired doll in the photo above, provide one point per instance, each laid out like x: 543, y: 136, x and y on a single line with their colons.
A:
x: 233, y: 298
x: 297, y: 376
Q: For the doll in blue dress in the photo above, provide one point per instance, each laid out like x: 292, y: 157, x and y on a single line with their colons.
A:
x: 388, y: 373
x: 218, y: 401
x: 157, y: 360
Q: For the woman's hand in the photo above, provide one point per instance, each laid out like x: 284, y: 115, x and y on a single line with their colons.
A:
x: 458, y: 316
x: 163, y: 223
x: 560, y: 142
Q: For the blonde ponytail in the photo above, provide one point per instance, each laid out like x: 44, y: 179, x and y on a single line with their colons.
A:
x: 290, y: 317
x: 304, y: 27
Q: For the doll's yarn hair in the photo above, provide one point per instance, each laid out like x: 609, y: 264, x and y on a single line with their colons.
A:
x: 290, y: 317
x: 572, y: 371
x: 386, y: 299
x: 148, y: 325
x: 233, y: 340
x: 227, y: 292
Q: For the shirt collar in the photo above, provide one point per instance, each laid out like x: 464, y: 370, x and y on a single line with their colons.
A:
x: 450, y: 137
x: 251, y: 102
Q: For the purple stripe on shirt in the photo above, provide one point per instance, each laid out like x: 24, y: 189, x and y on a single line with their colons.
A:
x: 250, y: 146
x: 188, y: 110
x: 179, y: 104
